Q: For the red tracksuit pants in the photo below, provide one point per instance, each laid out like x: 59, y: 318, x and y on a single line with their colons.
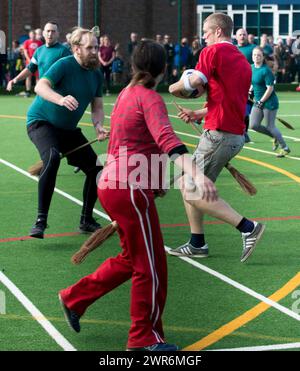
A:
x: 142, y: 260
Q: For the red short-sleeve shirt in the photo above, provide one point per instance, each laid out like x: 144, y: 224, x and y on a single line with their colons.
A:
x: 228, y: 76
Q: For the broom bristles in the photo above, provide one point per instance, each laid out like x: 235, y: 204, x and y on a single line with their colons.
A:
x: 245, y: 184
x: 36, y: 168
x: 96, y: 239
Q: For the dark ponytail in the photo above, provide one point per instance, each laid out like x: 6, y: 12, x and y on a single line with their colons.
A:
x: 144, y: 78
x: 148, y: 61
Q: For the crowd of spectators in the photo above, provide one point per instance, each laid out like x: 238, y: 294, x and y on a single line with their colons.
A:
x: 283, y: 56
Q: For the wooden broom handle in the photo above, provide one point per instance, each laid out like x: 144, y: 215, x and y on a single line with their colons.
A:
x: 80, y: 147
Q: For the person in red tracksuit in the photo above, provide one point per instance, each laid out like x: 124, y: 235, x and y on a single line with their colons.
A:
x: 140, y: 129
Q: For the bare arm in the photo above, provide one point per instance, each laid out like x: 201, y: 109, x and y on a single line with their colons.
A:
x: 188, y: 115
x: 21, y: 76
x: 98, y: 118
x: 44, y: 89
x: 195, y: 82
x: 267, y: 94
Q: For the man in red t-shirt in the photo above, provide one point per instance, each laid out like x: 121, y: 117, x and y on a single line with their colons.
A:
x: 224, y: 72
x: 29, y: 48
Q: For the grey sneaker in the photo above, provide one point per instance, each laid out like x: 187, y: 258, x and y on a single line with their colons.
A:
x: 250, y: 240
x: 189, y: 250
x: 283, y: 152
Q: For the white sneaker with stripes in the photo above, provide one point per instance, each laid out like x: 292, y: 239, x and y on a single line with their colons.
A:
x: 250, y: 240
x: 189, y: 250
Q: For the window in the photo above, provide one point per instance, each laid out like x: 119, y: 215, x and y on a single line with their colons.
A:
x: 284, y: 7
x: 237, y: 22
x: 237, y: 7
x: 221, y: 7
x: 251, y: 23
x: 296, y: 21
x: 266, y: 23
x: 283, y: 24
x: 251, y: 7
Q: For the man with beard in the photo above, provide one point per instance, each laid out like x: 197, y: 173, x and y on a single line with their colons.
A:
x: 63, y: 94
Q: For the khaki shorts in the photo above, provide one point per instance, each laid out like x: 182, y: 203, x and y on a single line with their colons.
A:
x: 215, y: 150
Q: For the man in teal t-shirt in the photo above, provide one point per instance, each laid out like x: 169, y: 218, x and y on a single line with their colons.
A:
x: 63, y: 94
x: 243, y: 44
x: 44, y: 56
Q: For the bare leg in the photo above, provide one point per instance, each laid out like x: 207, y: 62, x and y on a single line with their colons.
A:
x: 196, y: 208
x: 195, y: 217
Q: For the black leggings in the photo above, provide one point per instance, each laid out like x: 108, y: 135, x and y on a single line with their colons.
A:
x: 106, y: 70
x: 51, y: 142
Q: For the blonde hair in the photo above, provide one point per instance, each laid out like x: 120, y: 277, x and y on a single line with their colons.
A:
x: 221, y: 20
x: 78, y: 33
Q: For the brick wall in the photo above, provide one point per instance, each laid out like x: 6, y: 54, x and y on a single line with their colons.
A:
x: 118, y: 18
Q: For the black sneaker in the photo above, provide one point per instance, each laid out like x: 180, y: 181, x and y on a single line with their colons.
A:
x: 88, y: 225
x: 71, y: 317
x: 159, y: 347
x: 37, y: 231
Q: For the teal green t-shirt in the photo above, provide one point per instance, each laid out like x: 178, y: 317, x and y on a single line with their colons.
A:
x: 67, y: 77
x: 247, y: 51
x: 261, y: 78
x: 45, y: 56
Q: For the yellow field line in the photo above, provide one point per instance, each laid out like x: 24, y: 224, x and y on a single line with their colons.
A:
x: 13, y: 117
x: 24, y: 118
x: 272, y: 167
x: 263, y: 164
x: 260, y: 308
x: 248, y: 316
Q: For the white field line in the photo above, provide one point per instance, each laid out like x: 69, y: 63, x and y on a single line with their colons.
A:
x: 188, y: 260
x: 36, y: 314
x: 57, y: 190
x: 195, y: 136
x: 270, y: 153
x: 240, y: 287
x: 260, y: 348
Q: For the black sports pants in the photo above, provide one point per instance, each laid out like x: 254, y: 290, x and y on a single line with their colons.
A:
x: 51, y: 142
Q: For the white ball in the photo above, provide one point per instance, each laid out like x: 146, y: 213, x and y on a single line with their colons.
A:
x: 184, y: 93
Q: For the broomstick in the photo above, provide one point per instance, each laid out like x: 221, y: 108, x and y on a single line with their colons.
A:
x: 244, y: 183
x: 285, y: 123
x: 102, y: 234
x: 36, y: 168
